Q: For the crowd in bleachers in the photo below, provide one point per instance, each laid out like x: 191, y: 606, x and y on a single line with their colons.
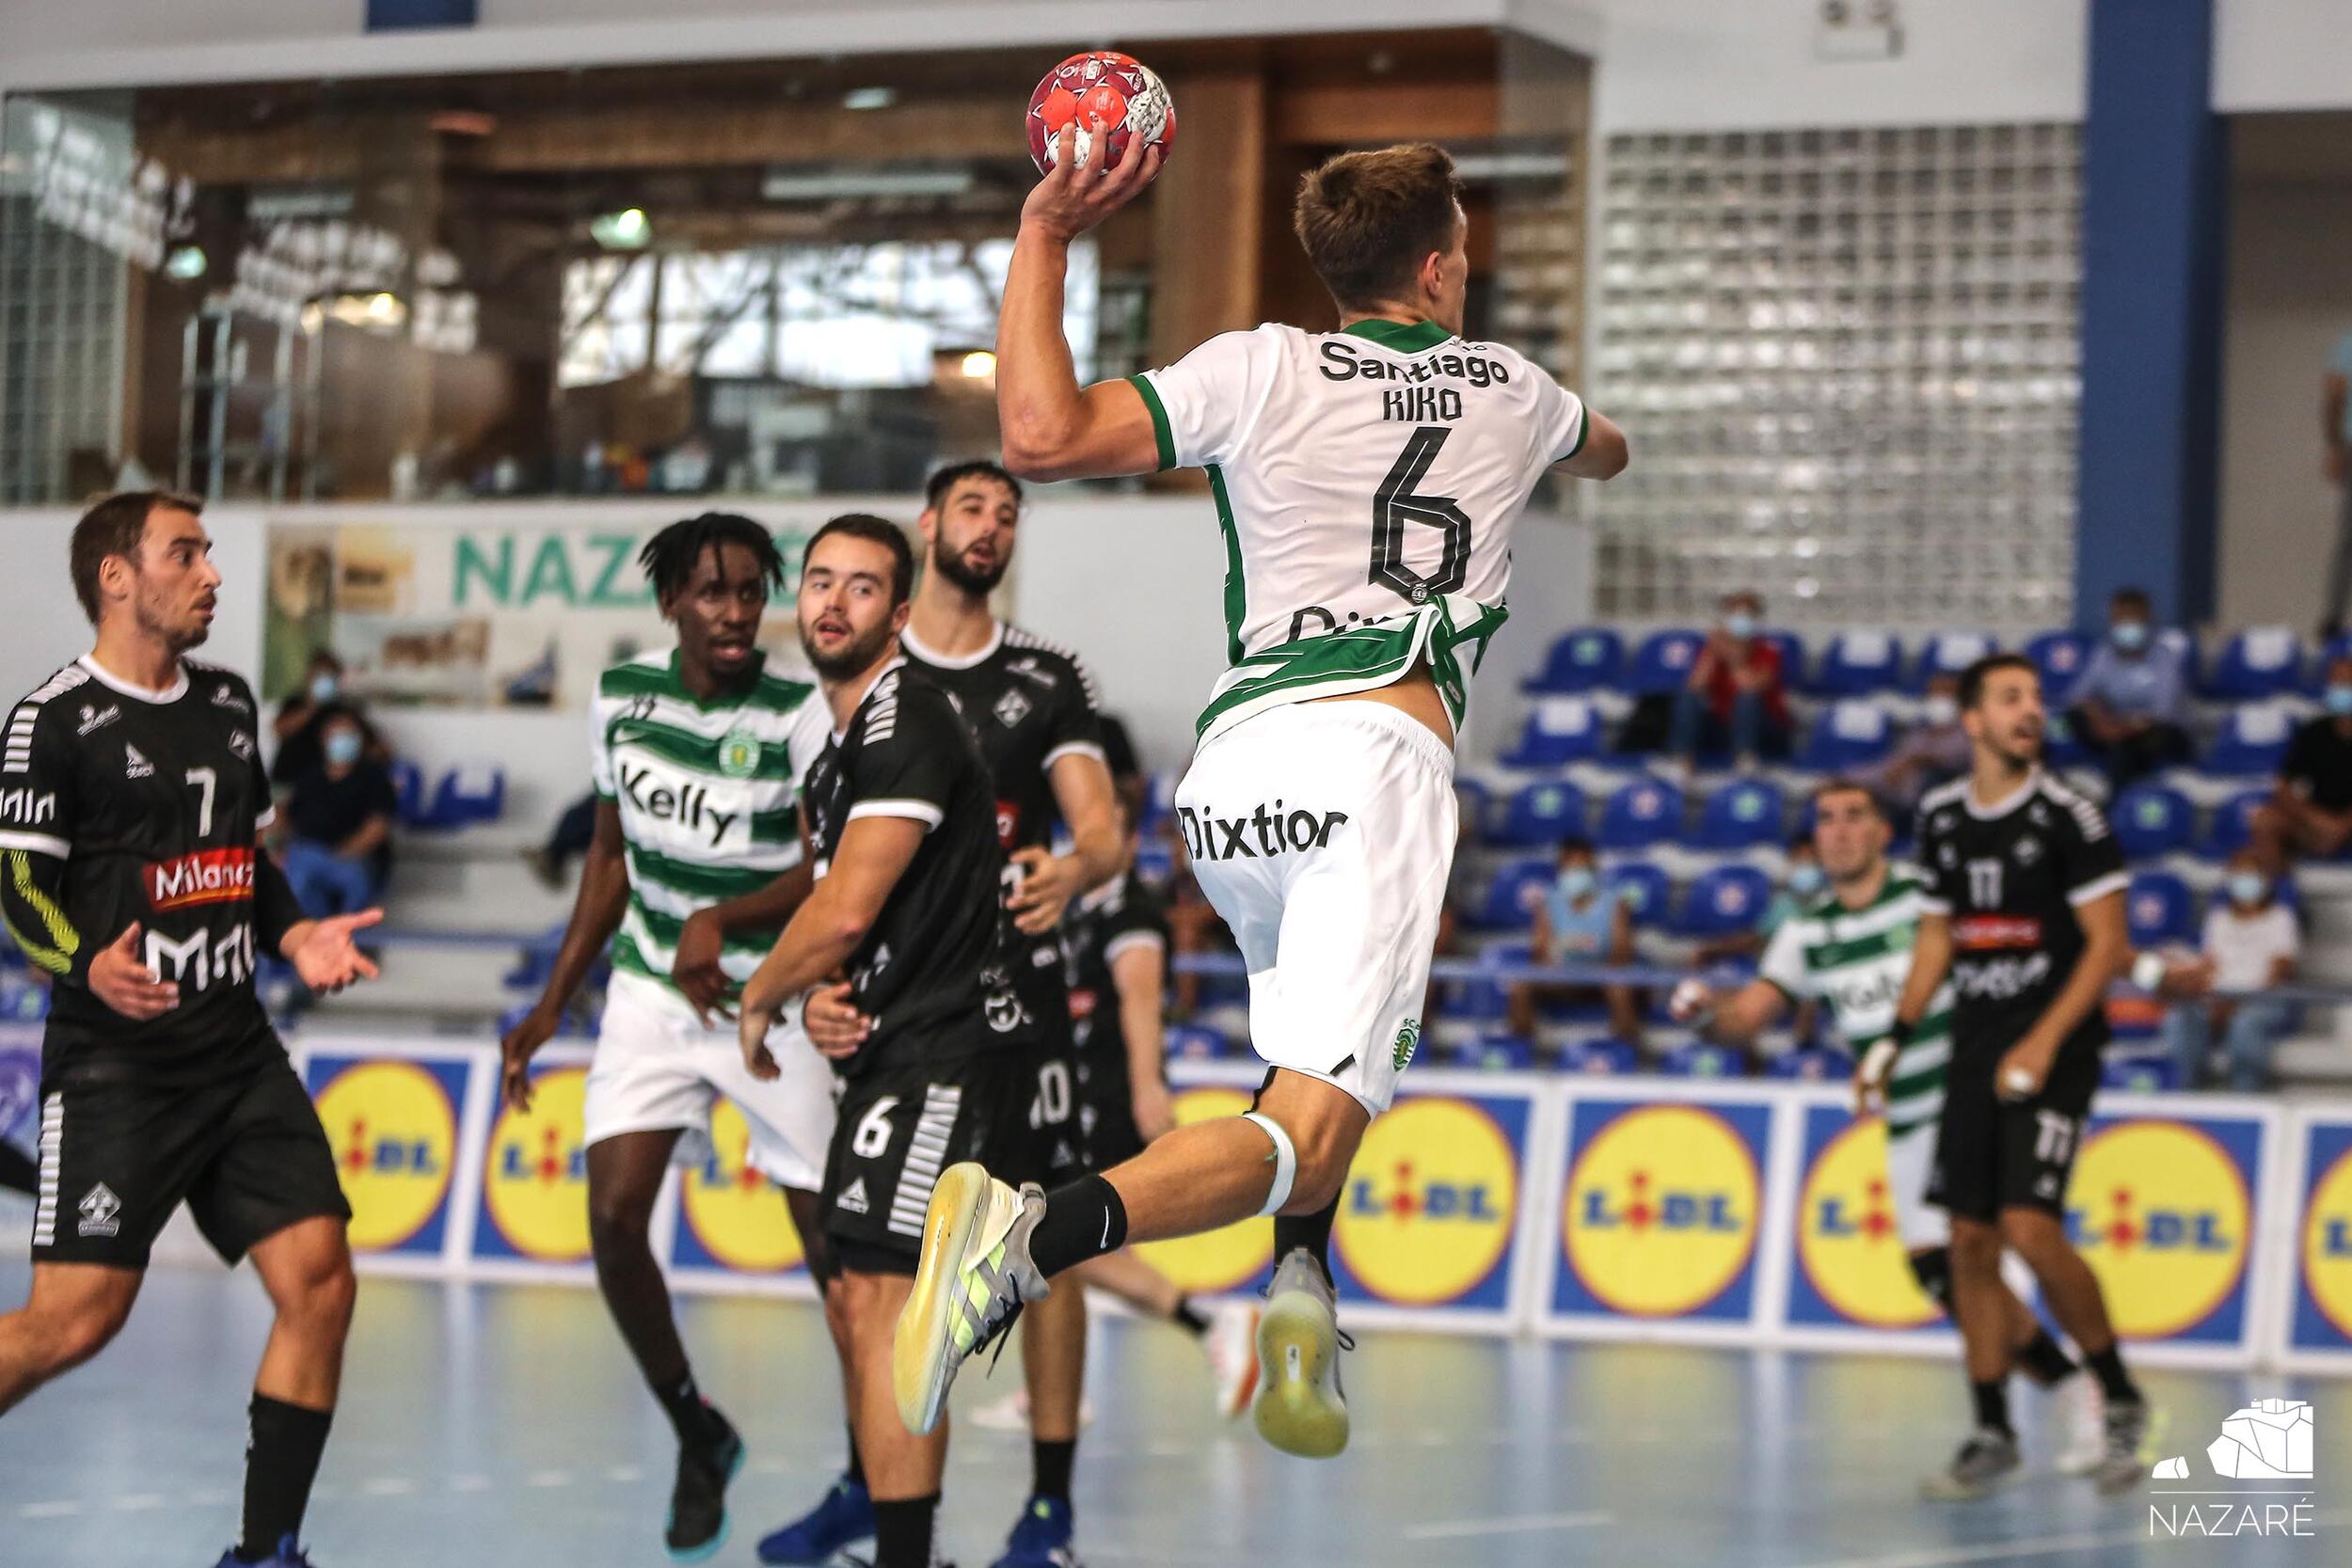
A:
x: 1648, y: 797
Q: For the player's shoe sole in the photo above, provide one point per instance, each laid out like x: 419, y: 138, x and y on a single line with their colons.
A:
x: 717, y: 1544
x: 970, y: 1213
x: 1297, y: 1408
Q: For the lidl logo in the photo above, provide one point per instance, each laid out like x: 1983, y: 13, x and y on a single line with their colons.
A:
x: 735, y: 1216
x: 2160, y: 1212
x: 1223, y: 1259
x: 534, y: 1183
x: 1431, y: 1203
x: 393, y: 1128
x: 1661, y: 1209
x: 2323, y: 1317
x: 1850, y: 1241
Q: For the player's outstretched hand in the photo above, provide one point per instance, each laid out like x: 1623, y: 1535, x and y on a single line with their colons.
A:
x: 752, y: 1027
x: 1692, y: 1000
x: 120, y: 977
x: 522, y: 1042
x: 324, y: 954
x: 695, y: 970
x: 835, y: 1025
x: 1076, y: 197
x: 1048, y: 884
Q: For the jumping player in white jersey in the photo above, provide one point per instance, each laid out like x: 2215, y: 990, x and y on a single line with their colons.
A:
x: 1367, y: 482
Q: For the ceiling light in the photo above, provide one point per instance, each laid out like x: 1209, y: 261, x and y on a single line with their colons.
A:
x: 186, y: 263
x: 869, y: 98
x: 979, y: 365
x: 627, y: 229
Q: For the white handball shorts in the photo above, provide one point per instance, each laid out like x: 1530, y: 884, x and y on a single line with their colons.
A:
x: 1324, y: 834
x: 658, y: 1069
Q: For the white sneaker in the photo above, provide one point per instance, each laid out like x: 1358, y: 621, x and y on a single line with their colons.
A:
x: 1231, y: 1346
x: 1011, y: 1413
x: 2083, y: 1446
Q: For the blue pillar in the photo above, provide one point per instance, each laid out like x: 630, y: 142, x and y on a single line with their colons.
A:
x: 2154, y: 212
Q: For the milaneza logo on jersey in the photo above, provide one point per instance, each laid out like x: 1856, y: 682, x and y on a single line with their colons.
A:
x: 206, y: 876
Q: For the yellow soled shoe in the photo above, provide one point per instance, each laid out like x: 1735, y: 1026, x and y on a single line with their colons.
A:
x: 974, y: 1277
x: 1299, y: 1407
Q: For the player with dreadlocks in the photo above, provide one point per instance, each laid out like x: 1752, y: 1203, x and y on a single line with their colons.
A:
x: 697, y: 755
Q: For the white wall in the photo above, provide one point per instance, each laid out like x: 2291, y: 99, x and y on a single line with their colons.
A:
x: 40, y: 623
x: 1727, y: 64
x: 2281, y: 54
x: 2289, y: 299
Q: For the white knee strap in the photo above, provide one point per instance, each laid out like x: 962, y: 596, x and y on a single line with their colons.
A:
x: 1285, y: 1163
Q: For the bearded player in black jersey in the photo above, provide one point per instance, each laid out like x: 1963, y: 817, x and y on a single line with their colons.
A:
x: 131, y: 796
x: 2025, y: 911
x: 900, y: 820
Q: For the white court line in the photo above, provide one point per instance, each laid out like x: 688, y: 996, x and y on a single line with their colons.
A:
x: 550, y: 1478
x: 625, y: 1473
x: 1465, y: 1528
x: 59, y: 1510
x: 387, y: 1486
x: 139, y: 1502
x: 469, y: 1484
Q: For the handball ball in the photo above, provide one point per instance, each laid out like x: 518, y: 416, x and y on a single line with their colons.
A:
x: 1104, y: 91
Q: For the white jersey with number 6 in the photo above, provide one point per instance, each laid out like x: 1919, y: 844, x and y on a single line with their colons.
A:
x: 1367, y: 482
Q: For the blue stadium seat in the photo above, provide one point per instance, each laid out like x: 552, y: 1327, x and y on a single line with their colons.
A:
x: 409, y: 790
x: 2160, y: 909
x: 1511, y: 897
x: 1542, y: 814
x: 2261, y: 662
x: 1493, y: 1053
x: 1860, y: 662
x: 2152, y: 819
x: 2060, y: 748
x: 1559, y: 730
x: 1644, y: 887
x: 464, y: 796
x: 1949, y: 653
x: 1700, y: 1060
x: 1847, y: 734
x: 1599, y: 1056
x: 1644, y: 812
x: 2233, y: 825
x: 1791, y: 650
x: 2139, y: 1074
x: 1663, y: 662
x: 2253, y: 739
x: 1155, y: 861
x: 1196, y: 1042
x: 1743, y: 815
x: 2061, y: 656
x: 1590, y: 659
x: 1477, y: 802
x: 1724, y: 900
x: 1484, y: 998
x: 1813, y: 1064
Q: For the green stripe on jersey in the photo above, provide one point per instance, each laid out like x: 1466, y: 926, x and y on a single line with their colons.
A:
x: 687, y: 750
x: 665, y: 929
x: 703, y: 884
x: 1362, y: 658
x: 646, y: 679
x: 1162, y: 436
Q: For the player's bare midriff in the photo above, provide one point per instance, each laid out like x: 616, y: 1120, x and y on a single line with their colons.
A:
x: 1414, y: 694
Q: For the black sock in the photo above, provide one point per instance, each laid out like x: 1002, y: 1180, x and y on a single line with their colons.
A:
x: 1991, y: 1405
x: 902, y: 1531
x: 1188, y: 1318
x: 1050, y: 1464
x: 2114, y: 1382
x: 857, y: 1471
x: 1081, y: 1221
x: 2042, y: 1360
x: 281, y: 1460
x: 697, y: 1423
x: 1312, y: 1231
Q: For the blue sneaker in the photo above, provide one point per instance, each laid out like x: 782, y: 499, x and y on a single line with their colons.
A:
x: 288, y: 1555
x: 844, y: 1518
x: 1041, y: 1539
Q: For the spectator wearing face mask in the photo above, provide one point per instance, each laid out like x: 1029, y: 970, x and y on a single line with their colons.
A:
x: 339, y: 817
x: 1581, y: 919
x: 2127, y: 708
x: 1736, y: 694
x: 300, y: 716
x: 2252, y: 942
x: 2309, y: 812
x: 1800, y: 885
x: 1931, y: 752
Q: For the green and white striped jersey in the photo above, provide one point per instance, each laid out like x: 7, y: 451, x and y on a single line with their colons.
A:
x: 1857, y: 960
x: 1367, y: 482
x: 709, y: 800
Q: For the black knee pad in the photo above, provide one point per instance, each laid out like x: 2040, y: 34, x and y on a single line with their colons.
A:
x: 1932, y: 1269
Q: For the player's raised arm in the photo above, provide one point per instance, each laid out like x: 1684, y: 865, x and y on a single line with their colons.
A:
x: 1051, y: 427
x: 1604, y: 453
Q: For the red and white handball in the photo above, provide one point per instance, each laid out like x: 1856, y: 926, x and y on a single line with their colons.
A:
x: 1104, y: 92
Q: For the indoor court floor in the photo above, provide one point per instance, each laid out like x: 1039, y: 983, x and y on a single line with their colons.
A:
x: 498, y: 1425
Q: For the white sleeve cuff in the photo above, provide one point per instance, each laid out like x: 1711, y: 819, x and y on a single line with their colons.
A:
x: 1930, y: 905
x: 920, y: 811
x: 1076, y: 748
x: 2098, y: 887
x: 38, y: 844
x: 1127, y: 942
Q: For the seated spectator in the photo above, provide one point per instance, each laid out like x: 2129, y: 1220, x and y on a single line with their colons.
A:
x: 339, y: 822
x: 1582, y: 920
x: 2128, y: 706
x: 1736, y: 694
x: 2310, y: 811
x: 2253, y: 944
x: 1933, y: 750
x: 1800, y: 883
x: 296, y: 725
